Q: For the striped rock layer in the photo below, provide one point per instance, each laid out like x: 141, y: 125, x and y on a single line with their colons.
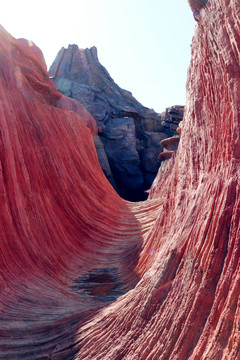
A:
x: 87, y: 275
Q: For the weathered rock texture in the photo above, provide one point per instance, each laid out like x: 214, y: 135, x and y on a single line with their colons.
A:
x: 87, y: 275
x: 130, y: 132
x: 170, y: 146
x: 196, y: 6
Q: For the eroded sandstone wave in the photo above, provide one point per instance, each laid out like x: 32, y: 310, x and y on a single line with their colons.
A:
x: 87, y: 275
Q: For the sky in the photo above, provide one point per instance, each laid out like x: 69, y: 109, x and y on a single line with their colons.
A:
x: 144, y: 44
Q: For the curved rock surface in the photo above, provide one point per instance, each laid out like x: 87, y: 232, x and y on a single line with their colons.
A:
x: 64, y: 255
x: 87, y: 275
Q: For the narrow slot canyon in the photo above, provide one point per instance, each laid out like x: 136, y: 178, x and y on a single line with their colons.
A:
x: 87, y: 275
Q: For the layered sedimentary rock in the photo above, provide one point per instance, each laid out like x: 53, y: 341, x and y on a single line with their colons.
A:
x: 87, y: 275
x: 171, y: 118
x: 130, y: 132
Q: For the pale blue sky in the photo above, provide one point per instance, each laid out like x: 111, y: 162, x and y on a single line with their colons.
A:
x: 144, y: 44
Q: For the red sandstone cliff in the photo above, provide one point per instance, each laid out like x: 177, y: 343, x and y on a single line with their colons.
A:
x: 86, y: 275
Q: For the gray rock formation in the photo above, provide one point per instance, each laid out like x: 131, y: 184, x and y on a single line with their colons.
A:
x: 120, y: 144
x: 170, y: 119
x: 130, y: 133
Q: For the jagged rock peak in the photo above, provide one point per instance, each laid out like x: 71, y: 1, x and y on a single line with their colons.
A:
x: 84, y: 56
x: 79, y: 74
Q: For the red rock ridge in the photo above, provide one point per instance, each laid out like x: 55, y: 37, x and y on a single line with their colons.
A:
x: 66, y: 235
x: 174, y: 259
x: 30, y: 76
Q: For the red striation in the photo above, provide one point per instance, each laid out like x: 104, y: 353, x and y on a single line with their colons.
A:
x: 66, y: 235
x: 87, y: 275
x: 67, y: 103
x: 29, y: 72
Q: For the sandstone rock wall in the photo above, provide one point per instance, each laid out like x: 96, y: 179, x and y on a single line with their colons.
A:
x: 87, y: 275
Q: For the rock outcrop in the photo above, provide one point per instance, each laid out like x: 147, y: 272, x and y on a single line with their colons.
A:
x: 171, y: 118
x: 196, y: 6
x: 170, y: 146
x: 130, y: 132
x: 87, y: 275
